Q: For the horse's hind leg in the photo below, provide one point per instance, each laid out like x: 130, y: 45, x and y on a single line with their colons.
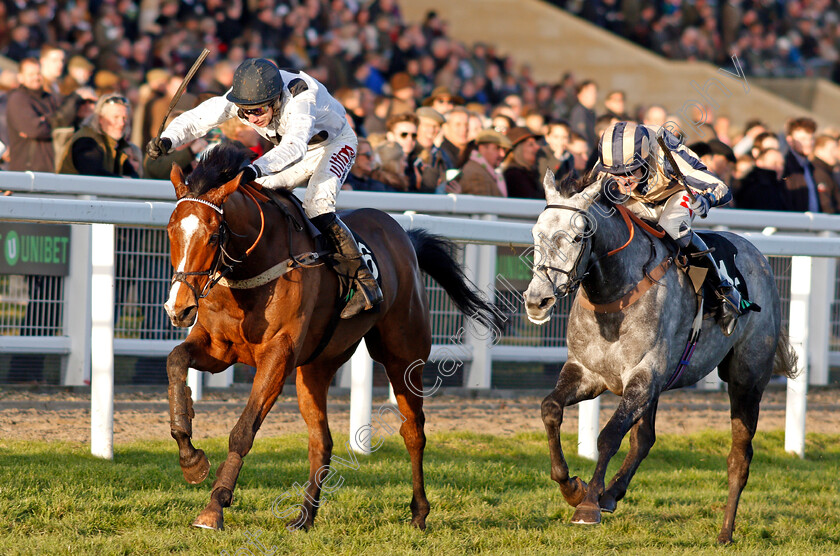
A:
x: 642, y: 438
x: 570, y: 389
x: 406, y: 376
x: 635, y: 402
x: 744, y: 399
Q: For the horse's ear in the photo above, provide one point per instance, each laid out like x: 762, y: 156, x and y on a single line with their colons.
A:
x: 176, y: 175
x: 550, y: 186
x: 218, y: 195
x: 592, y: 191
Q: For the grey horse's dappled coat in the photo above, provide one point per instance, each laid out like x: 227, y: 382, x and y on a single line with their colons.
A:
x: 634, y: 352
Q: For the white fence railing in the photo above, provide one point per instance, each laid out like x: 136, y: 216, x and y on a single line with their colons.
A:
x: 480, y: 222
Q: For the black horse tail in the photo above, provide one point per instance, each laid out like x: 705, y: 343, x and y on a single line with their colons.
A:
x: 785, y: 362
x: 436, y: 256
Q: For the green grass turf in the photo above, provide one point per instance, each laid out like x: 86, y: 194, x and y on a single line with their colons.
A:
x: 489, y: 495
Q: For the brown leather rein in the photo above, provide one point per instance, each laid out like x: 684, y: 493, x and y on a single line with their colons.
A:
x: 642, y: 286
x: 223, y: 262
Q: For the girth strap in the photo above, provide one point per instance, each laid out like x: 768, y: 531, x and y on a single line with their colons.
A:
x: 276, y: 271
x: 632, y: 296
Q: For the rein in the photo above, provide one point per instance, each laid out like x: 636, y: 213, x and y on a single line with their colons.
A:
x: 224, y: 263
x: 575, y: 278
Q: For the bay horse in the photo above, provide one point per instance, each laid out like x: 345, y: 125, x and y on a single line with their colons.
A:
x: 227, y: 244
x: 635, y: 349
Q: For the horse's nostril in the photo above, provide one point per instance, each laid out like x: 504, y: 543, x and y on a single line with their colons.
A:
x: 188, y: 313
x: 545, y: 301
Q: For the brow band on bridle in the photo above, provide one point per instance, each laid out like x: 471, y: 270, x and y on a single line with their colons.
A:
x: 220, y: 210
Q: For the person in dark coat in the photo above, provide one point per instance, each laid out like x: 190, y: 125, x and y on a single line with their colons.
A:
x: 520, y: 169
x: 799, y: 172
x: 824, y: 161
x: 100, y: 147
x: 582, y: 116
x: 30, y: 112
x: 762, y: 188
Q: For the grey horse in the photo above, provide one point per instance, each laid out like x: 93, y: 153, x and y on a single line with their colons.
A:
x: 634, y: 351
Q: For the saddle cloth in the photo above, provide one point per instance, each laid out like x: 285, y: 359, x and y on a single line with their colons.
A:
x: 725, y: 255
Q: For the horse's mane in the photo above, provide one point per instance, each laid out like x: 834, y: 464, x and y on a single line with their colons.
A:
x: 218, y: 166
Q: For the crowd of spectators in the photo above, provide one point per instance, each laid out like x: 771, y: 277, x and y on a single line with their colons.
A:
x: 87, y: 83
x: 772, y: 38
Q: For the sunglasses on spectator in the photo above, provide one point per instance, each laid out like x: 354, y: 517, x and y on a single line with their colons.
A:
x: 367, y: 154
x: 444, y: 100
x: 405, y: 134
x: 258, y: 111
x: 117, y: 100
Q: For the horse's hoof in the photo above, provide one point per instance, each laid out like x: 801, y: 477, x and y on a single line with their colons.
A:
x: 576, y: 493
x: 299, y: 522
x: 198, y: 471
x: 209, y: 519
x: 724, y: 539
x: 419, y: 522
x: 587, y: 513
x: 607, y: 503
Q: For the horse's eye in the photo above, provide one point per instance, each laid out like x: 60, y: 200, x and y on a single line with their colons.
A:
x: 214, y: 239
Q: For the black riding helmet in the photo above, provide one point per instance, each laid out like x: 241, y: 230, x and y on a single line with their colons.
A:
x: 256, y: 81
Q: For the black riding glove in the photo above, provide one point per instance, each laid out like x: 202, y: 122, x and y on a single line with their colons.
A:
x: 158, y: 146
x: 249, y: 173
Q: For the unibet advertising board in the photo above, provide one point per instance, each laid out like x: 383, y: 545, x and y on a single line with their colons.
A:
x: 34, y: 249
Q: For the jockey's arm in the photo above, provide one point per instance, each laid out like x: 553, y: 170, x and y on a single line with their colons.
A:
x: 300, y: 111
x: 699, y: 178
x: 195, y: 123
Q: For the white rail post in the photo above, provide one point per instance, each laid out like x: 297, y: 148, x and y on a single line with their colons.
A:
x: 480, y: 268
x: 77, y: 307
x: 102, y: 342
x: 588, y: 425
x: 195, y: 380
x: 361, y: 398
x: 823, y: 275
x: 797, y: 388
x: 220, y: 380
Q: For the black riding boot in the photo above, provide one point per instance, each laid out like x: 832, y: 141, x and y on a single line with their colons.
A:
x: 730, y: 298
x: 350, y: 263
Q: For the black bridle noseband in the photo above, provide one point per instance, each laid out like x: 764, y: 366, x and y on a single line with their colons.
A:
x: 574, y: 276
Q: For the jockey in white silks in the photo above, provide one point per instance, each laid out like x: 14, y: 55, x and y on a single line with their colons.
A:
x: 314, y: 146
x: 631, y: 155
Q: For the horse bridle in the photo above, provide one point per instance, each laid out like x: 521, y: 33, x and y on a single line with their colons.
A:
x: 574, y: 276
x: 222, y: 260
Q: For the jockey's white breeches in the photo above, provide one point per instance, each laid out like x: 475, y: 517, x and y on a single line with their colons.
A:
x: 322, y: 171
x: 674, y: 216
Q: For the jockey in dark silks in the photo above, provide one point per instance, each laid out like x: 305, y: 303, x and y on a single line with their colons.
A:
x: 314, y: 146
x: 631, y: 155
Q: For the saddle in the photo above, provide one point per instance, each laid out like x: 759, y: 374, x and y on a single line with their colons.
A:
x: 324, y: 251
x: 724, y: 253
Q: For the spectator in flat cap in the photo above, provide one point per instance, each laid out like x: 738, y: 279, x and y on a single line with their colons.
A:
x: 520, y: 169
x: 360, y: 177
x: 443, y: 100
x: 479, y: 168
x: 426, y: 156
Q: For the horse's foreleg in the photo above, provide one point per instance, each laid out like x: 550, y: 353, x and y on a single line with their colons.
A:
x: 268, y: 383
x: 194, y: 463
x: 570, y: 389
x: 312, y: 385
x: 634, y: 403
x: 744, y: 414
x: 642, y: 438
